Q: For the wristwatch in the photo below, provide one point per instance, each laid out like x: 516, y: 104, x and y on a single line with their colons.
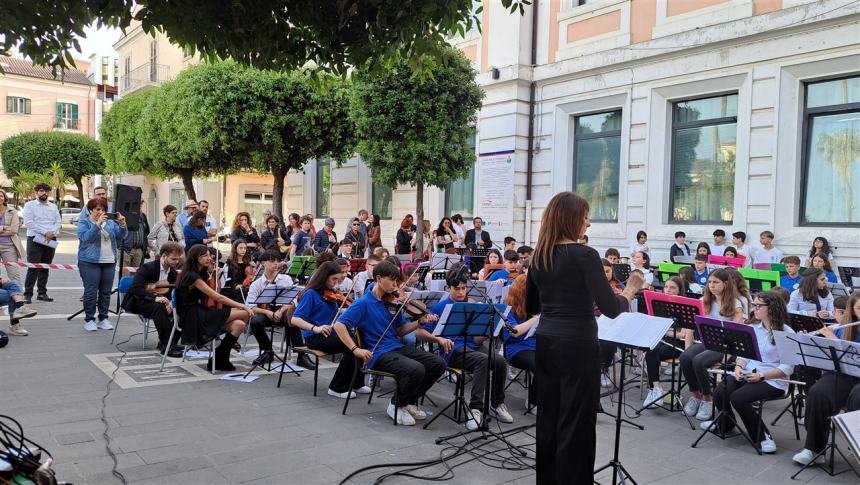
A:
x: 762, y: 375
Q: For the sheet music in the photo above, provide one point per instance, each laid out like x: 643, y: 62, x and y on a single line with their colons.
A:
x: 501, y: 323
x: 497, y: 292
x: 443, y: 319
x: 811, y: 351
x: 633, y: 329
x: 428, y: 297
x: 849, y: 425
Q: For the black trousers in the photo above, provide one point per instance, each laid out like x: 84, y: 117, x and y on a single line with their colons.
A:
x: 569, y: 394
x: 659, y: 354
x: 742, y: 395
x: 258, y: 328
x: 157, y: 312
x: 348, y: 362
x: 416, y: 370
x: 526, y: 360
x: 37, y: 253
x: 478, y: 363
x: 824, y: 400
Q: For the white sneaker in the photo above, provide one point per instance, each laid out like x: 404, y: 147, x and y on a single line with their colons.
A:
x: 104, y: 325
x: 342, y: 395
x: 90, y: 326
x: 692, y: 406
x: 17, y: 330
x: 652, y: 397
x: 605, y: 381
x: 362, y: 390
x: 706, y: 411
x: 475, y: 419
x: 403, y: 416
x: 767, y: 444
x: 24, y: 312
x: 804, y: 457
x: 704, y: 425
x: 416, y: 412
x: 501, y: 412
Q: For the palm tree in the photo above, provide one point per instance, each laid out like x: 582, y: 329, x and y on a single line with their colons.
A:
x: 841, y: 149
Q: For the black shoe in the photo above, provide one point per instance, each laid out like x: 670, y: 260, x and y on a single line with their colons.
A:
x: 220, y: 365
x: 175, y: 351
x: 237, y: 347
x: 265, y: 358
x: 28, y: 299
x: 44, y: 298
x: 304, y: 361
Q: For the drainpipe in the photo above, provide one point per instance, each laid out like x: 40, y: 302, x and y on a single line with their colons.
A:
x: 531, y: 140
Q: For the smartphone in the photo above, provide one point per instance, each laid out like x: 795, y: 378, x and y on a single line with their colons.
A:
x: 111, y: 216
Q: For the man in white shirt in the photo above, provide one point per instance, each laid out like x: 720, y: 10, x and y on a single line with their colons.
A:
x: 459, y: 228
x: 211, y: 224
x: 719, y: 246
x: 43, y: 222
x: 768, y: 253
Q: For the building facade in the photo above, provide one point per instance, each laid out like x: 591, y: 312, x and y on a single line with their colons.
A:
x: 666, y: 115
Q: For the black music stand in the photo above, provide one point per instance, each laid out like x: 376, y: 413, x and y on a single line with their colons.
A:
x: 478, y: 258
x: 728, y: 338
x: 443, y: 261
x: 422, y: 271
x: 357, y: 265
x: 478, y: 290
x: 804, y: 323
x: 684, y: 316
x: 621, y: 271
x: 301, y: 267
x: 274, y: 295
x: 826, y: 354
x: 847, y: 273
x: 428, y: 297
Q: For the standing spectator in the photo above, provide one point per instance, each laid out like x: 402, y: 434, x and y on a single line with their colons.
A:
x: 326, y: 238
x: 211, y: 224
x: 374, y: 234
x: 819, y: 246
x: 166, y: 230
x: 460, y: 229
x: 293, y: 225
x: 427, y: 240
x: 195, y: 231
x: 190, y: 209
x: 43, y: 222
x: 313, y: 230
x: 445, y: 234
x: 264, y: 219
x: 242, y: 229
x: 768, y: 253
x: 357, y: 237
x: 98, y: 238
x: 719, y: 246
x: 680, y: 248
x: 403, y: 240
x: 510, y: 244
x: 739, y: 240
x: 135, y: 246
x: 363, y: 216
x: 11, y: 249
x: 302, y: 238
x: 98, y: 193
x: 274, y: 236
x: 477, y: 238
x: 640, y: 244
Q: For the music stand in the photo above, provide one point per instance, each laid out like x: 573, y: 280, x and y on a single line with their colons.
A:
x: 428, y: 297
x: 847, y: 275
x: 301, y: 267
x: 728, y: 338
x: 443, y: 261
x: 274, y: 295
x: 479, y: 256
x: 839, y: 356
x: 630, y: 331
x: 800, y: 323
x: 357, y: 265
x: 621, y: 272
x: 422, y: 271
x: 478, y: 290
x: 682, y: 311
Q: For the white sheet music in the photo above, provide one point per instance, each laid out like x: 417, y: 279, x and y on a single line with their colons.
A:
x: 497, y: 292
x: 633, y: 329
x: 803, y: 349
x: 849, y: 425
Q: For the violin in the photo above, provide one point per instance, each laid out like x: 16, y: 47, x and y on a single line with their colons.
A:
x: 336, y: 297
x: 250, y: 274
x: 413, y: 308
x: 213, y: 283
x: 160, y: 287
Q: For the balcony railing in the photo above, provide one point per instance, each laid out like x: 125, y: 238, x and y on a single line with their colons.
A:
x: 66, y: 123
x: 148, y: 74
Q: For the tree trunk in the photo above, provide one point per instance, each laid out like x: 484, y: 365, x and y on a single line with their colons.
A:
x: 419, y: 219
x: 279, y: 174
x: 188, y: 182
x: 80, y: 185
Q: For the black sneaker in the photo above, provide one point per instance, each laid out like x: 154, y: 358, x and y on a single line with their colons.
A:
x: 265, y: 358
x: 304, y: 361
x: 44, y: 298
x: 28, y: 299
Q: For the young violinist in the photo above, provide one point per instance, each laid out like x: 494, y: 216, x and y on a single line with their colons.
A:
x: 466, y: 353
x: 505, y: 276
x: 266, y: 314
x: 155, y: 304
x: 315, y: 314
x: 240, y: 271
x: 520, y: 349
x: 416, y: 370
x: 345, y: 285
x: 493, y: 257
x: 200, y: 324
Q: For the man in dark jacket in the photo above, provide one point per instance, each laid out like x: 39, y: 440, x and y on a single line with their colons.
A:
x: 149, y: 304
x: 477, y: 238
x: 135, y: 246
x: 680, y: 248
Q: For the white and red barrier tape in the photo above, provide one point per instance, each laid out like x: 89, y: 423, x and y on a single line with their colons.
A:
x: 66, y: 267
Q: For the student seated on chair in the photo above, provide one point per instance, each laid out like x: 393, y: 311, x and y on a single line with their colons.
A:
x: 365, y: 278
x: 266, y: 314
x: 755, y: 380
x: 200, y: 323
x: 812, y: 296
x: 791, y: 280
x: 831, y: 392
x: 314, y: 315
x: 519, y: 349
x: 700, y: 271
x: 511, y: 258
x: 236, y: 266
x: 149, y: 304
x: 416, y: 370
x: 642, y: 261
x: 668, y: 348
x: 822, y: 262
x: 466, y: 353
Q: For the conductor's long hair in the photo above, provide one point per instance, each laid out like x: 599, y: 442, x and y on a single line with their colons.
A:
x: 563, y: 220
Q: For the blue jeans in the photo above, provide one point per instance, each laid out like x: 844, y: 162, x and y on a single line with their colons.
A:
x: 98, y: 281
x: 7, y: 291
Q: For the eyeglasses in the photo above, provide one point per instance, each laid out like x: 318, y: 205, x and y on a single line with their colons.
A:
x: 356, y: 225
x: 759, y: 305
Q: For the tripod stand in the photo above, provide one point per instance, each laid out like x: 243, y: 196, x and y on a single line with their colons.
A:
x: 115, y: 290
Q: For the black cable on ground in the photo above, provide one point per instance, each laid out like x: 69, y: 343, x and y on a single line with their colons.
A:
x: 114, y: 464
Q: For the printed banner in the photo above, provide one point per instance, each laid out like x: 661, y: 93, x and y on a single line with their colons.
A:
x: 495, y: 193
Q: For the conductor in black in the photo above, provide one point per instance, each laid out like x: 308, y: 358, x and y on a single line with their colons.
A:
x: 565, y: 281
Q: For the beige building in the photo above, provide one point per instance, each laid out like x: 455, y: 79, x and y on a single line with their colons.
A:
x: 36, y: 101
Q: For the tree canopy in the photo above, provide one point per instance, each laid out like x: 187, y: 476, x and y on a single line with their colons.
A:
x: 415, y: 130
x: 73, y: 155
x: 270, y: 34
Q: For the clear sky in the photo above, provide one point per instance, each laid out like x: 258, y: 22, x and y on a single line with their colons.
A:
x: 98, y: 40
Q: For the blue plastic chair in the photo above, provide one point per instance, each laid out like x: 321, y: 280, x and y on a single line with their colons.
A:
x: 124, y: 286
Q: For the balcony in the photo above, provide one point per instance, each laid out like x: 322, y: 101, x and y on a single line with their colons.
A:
x: 65, y: 123
x: 148, y: 74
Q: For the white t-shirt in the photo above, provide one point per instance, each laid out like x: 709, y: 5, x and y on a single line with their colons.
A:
x: 638, y: 247
x: 771, y: 256
x: 716, y: 306
x: 460, y: 235
x: 718, y: 250
x: 106, y: 250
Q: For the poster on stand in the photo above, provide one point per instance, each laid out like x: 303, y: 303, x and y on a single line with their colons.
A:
x: 495, y: 193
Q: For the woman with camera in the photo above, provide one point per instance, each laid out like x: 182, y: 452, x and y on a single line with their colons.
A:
x: 98, y: 235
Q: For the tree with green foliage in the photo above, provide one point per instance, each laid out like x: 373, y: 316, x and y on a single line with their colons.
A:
x: 119, y: 134
x: 415, y: 130
x: 63, y: 155
x: 272, y: 34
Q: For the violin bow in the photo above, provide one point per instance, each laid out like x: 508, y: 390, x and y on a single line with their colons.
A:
x: 406, y: 299
x: 340, y: 307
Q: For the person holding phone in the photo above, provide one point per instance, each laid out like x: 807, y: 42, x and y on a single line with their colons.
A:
x: 98, y: 235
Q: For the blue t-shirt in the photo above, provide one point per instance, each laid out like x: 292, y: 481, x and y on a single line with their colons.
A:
x: 370, y: 315
x: 500, y: 274
x: 301, y: 240
x: 790, y: 283
x: 314, y: 310
x: 469, y: 342
x: 515, y: 345
x: 701, y: 278
x: 831, y: 277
